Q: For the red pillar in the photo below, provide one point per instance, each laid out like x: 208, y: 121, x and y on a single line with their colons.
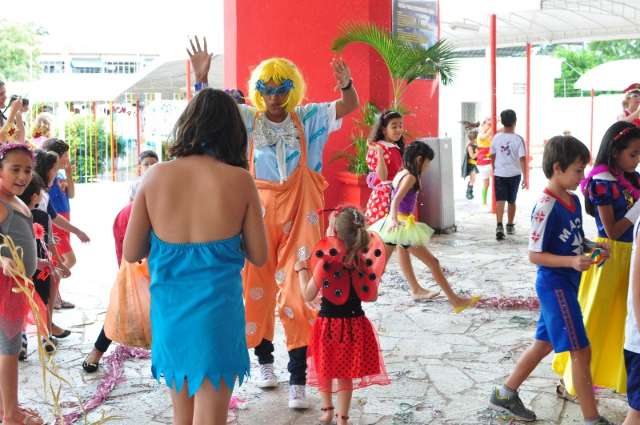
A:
x: 528, y: 131
x: 593, y: 98
x: 189, y: 93
x: 494, y: 107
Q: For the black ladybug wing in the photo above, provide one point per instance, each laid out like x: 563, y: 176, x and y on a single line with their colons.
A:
x: 371, y: 266
x: 328, y: 270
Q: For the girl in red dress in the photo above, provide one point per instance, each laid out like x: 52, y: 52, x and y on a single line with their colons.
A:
x: 384, y: 158
x: 343, y: 352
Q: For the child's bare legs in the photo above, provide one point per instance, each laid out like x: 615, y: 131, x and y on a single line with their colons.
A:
x: 344, y: 400
x: 581, y: 371
x: 211, y: 405
x: 182, y: 406
x: 511, y: 212
x: 633, y: 417
x: 13, y: 414
x: 424, y: 255
x: 417, y: 291
x: 500, y: 211
x: 327, y: 400
x: 529, y: 360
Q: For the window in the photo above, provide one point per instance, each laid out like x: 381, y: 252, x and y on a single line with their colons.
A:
x: 52, y: 67
x: 120, y: 67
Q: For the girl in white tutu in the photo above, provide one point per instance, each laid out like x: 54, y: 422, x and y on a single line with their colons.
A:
x: 399, y: 227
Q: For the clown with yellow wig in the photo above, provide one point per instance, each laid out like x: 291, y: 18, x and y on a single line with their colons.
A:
x: 286, y: 144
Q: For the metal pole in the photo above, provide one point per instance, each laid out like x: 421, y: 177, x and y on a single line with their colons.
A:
x: 593, y: 98
x: 528, y: 131
x: 112, y: 143
x: 189, y: 93
x: 494, y: 108
x: 138, y: 129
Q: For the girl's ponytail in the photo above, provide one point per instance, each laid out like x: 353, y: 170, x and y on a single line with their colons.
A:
x: 351, y: 228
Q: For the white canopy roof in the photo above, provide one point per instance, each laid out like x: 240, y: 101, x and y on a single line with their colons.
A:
x: 466, y: 22
x: 610, y: 76
x: 166, y: 76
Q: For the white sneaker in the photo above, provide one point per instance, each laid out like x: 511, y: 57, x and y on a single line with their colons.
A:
x: 297, y: 397
x: 268, y: 378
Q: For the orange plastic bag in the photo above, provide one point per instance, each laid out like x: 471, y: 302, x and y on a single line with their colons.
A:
x: 128, y: 319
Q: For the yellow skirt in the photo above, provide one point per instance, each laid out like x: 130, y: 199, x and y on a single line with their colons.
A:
x: 409, y: 233
x: 603, y: 299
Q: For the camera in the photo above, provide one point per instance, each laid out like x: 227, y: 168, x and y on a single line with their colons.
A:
x: 25, y: 101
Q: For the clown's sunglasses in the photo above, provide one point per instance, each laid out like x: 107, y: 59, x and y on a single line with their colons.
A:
x: 280, y: 90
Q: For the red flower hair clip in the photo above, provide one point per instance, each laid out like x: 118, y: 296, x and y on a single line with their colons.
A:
x: 38, y: 231
x: 622, y: 133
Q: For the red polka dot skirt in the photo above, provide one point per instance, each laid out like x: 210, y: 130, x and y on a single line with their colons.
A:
x: 344, y: 354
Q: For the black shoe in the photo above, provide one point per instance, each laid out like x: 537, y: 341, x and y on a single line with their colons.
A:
x: 511, y: 229
x: 90, y: 367
x: 469, y: 192
x: 65, y: 333
x: 499, y: 232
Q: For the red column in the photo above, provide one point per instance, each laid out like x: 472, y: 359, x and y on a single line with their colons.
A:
x: 189, y: 94
x: 528, y: 131
x: 494, y: 112
x: 593, y: 98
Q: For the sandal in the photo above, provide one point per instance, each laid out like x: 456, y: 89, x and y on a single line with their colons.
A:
x: 330, y: 421
x: 472, y: 302
x: 561, y: 392
x: 425, y: 296
x: 65, y: 333
x: 344, y: 418
x: 22, y: 356
x: 48, y: 345
x: 66, y: 305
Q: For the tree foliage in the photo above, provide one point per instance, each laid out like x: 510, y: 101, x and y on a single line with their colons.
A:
x: 19, y: 50
x: 580, y: 59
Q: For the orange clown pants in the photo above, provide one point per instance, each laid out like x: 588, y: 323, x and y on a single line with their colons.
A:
x: 293, y: 224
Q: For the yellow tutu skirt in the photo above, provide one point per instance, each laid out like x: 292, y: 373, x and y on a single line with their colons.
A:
x: 603, y: 299
x: 409, y: 233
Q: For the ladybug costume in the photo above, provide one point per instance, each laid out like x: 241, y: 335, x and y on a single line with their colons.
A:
x: 343, y: 341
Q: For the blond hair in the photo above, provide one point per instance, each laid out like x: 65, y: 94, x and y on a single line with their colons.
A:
x: 43, y: 124
x: 277, y: 70
x: 351, y: 229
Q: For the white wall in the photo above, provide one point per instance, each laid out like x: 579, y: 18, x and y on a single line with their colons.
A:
x: 550, y: 116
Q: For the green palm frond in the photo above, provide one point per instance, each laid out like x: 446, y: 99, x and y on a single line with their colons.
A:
x: 405, y: 61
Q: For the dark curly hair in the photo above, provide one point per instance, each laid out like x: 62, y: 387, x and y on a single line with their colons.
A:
x: 211, y: 124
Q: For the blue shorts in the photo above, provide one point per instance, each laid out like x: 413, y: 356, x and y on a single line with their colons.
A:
x: 507, y: 188
x: 560, y: 322
x: 632, y: 363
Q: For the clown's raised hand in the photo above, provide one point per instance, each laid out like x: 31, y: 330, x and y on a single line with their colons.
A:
x: 341, y: 72
x: 200, y: 59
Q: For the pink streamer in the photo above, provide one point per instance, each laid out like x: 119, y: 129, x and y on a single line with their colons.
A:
x: 114, y: 375
x: 509, y: 303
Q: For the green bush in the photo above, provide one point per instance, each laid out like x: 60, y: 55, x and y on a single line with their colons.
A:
x: 90, y: 147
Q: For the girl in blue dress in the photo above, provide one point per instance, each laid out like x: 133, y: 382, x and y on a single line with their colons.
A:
x: 196, y: 218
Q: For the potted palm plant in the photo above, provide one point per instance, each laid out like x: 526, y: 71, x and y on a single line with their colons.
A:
x: 405, y: 62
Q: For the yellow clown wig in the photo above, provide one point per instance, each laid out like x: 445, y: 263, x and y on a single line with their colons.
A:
x: 277, y: 70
